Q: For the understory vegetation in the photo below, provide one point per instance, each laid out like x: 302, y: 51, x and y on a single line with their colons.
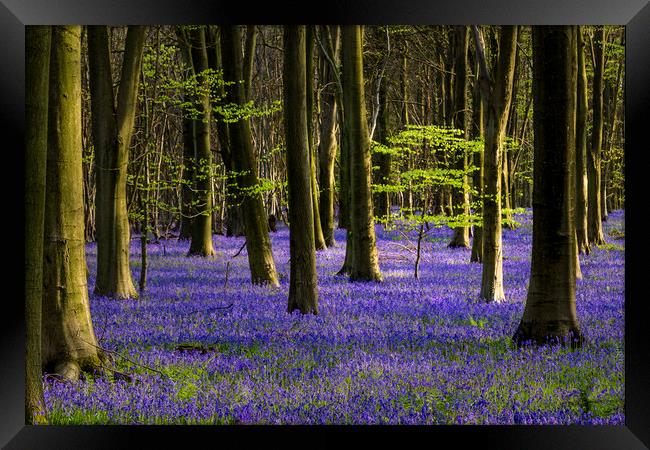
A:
x: 197, y: 349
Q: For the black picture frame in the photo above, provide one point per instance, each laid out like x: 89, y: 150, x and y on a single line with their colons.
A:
x: 635, y: 14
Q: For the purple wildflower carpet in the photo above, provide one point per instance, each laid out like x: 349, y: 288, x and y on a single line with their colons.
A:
x: 405, y: 351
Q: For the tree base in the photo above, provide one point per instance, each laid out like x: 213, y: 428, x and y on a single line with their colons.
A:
x: 304, y: 309
x: 123, y: 294
x: 543, y: 333
x: 72, y: 369
x: 373, y: 276
x: 202, y: 252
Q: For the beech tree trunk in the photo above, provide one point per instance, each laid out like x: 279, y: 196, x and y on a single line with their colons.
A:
x: 594, y: 212
x: 37, y: 66
x: 201, y: 243
x: 461, y: 207
x: 581, y: 148
x: 303, y: 287
x: 319, y: 239
x: 328, y: 144
x: 234, y: 219
x: 258, y: 243
x: 550, y: 312
x: 364, y: 261
x: 497, y: 94
x: 68, y: 339
x: 477, y: 176
x: 112, y: 131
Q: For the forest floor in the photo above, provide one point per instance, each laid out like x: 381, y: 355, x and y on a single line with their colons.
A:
x: 404, y: 351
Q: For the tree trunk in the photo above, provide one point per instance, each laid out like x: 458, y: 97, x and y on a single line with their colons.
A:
x: 327, y: 144
x: 37, y: 63
x: 498, y: 93
x: 68, y: 339
x: 112, y: 132
x: 258, y: 243
x: 201, y: 243
x: 303, y: 287
x: 234, y: 221
x: 365, y: 264
x: 477, y: 177
x: 550, y: 312
x: 594, y: 209
x: 461, y: 234
x: 319, y: 239
x: 581, y: 149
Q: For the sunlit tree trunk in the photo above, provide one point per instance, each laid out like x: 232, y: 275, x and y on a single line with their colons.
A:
x: 68, y: 339
x: 581, y: 148
x: 319, y: 239
x: 594, y: 212
x: 328, y: 144
x: 258, y: 243
x: 364, y: 261
x: 201, y: 243
x: 477, y: 176
x: 498, y: 93
x: 37, y: 64
x: 550, y: 312
x: 303, y: 287
x: 112, y: 131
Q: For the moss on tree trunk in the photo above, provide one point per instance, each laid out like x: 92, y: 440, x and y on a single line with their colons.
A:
x: 364, y: 261
x: 68, y: 339
x: 258, y: 243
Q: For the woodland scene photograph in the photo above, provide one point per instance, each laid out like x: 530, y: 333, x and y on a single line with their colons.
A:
x: 325, y: 224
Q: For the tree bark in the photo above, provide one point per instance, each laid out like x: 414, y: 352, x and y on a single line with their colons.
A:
x: 303, y: 287
x: 37, y: 63
x: 477, y: 177
x: 258, y: 243
x: 581, y: 149
x: 319, y: 238
x: 365, y: 264
x: 327, y: 143
x: 550, y: 312
x: 594, y: 211
x: 201, y: 243
x: 461, y: 234
x: 498, y: 93
x: 112, y: 132
x: 68, y: 338
x: 234, y: 220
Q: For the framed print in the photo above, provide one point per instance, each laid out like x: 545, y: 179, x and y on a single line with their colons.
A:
x: 373, y: 220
